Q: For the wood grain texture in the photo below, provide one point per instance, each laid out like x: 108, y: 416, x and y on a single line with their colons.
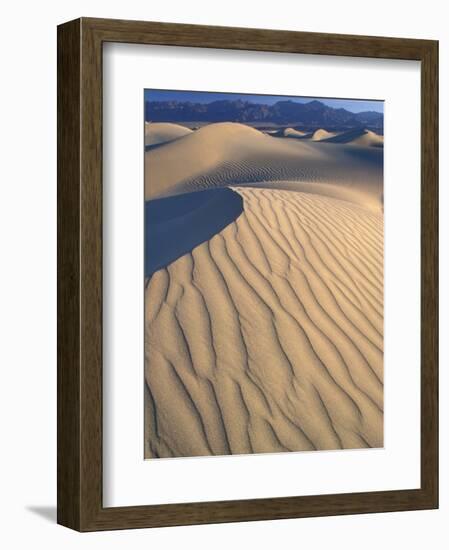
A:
x: 429, y: 271
x: 69, y: 435
x: 80, y: 354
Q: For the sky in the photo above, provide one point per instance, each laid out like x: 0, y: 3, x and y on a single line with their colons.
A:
x: 352, y: 105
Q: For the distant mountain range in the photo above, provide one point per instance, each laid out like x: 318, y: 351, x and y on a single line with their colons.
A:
x: 314, y: 114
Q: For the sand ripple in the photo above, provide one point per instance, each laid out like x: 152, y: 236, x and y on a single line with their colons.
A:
x: 269, y: 336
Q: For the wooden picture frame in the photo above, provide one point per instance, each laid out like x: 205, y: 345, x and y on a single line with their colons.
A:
x: 80, y: 503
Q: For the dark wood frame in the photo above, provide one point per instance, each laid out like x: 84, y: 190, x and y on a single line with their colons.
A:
x: 80, y: 274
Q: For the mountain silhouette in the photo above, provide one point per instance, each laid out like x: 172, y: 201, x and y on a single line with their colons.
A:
x: 310, y: 115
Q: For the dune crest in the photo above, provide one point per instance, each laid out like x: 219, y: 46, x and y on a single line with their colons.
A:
x: 157, y: 133
x: 292, y: 133
x: 321, y: 134
x: 277, y: 333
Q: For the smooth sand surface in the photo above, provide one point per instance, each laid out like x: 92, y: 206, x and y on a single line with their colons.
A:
x: 268, y: 337
x: 157, y: 133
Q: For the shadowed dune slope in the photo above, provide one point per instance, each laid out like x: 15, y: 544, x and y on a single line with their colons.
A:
x: 175, y: 225
x: 358, y: 137
x: 268, y: 337
x: 157, y: 133
x: 225, y: 154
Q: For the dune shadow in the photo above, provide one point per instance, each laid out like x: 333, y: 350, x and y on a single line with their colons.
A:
x: 372, y: 156
x: 347, y: 136
x: 153, y: 146
x: 175, y: 225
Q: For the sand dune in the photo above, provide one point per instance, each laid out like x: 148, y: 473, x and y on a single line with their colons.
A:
x: 321, y: 134
x: 157, y: 133
x: 292, y: 133
x: 264, y: 301
x: 226, y: 154
x: 268, y: 337
x: 358, y: 137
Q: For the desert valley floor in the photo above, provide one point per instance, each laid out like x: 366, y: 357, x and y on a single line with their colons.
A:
x: 264, y: 312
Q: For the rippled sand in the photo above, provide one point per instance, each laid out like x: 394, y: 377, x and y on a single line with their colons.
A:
x: 268, y: 337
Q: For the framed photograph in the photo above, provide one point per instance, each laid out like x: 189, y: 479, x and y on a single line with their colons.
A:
x: 247, y: 274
